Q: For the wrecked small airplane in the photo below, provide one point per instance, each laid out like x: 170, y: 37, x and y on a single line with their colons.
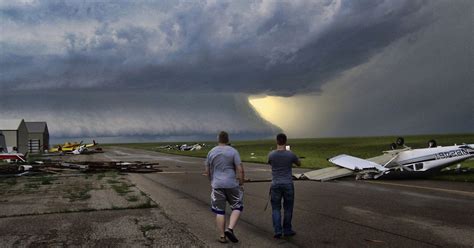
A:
x: 84, y: 149
x: 9, y: 156
x: 183, y: 147
x: 12, y: 157
x: 403, y: 162
x: 195, y: 147
x: 74, y: 148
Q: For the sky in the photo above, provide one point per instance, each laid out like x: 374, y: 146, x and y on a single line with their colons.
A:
x: 163, y: 70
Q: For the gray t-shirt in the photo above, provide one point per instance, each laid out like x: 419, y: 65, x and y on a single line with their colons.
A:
x: 281, y: 162
x: 222, y: 161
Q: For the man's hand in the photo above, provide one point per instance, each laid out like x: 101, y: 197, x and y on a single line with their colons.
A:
x: 298, y: 163
x: 207, y: 173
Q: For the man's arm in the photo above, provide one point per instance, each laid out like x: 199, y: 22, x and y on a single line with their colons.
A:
x: 297, y: 161
x: 207, y: 170
x: 240, y: 174
x: 239, y: 168
x: 269, y: 158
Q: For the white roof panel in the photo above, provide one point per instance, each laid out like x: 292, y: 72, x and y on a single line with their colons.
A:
x: 10, y: 124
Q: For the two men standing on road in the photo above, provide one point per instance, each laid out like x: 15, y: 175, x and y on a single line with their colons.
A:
x: 225, y: 170
x: 281, y: 161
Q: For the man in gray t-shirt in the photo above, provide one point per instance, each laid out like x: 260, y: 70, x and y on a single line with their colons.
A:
x: 281, y: 161
x: 225, y: 170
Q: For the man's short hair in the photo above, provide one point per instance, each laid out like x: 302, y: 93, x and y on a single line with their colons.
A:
x: 281, y: 139
x: 223, y: 137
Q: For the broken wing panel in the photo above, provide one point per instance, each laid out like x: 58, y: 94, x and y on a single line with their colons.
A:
x: 354, y: 163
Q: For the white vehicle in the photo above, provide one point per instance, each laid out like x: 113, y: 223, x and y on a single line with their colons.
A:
x: 396, y: 163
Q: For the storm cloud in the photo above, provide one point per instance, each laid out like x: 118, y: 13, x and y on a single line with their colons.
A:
x: 137, y: 113
x: 122, y: 65
x: 281, y: 47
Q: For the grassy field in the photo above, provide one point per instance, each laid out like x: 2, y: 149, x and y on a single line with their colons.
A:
x: 314, y: 152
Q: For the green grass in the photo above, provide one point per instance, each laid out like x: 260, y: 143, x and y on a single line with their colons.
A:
x: 132, y: 198
x: 148, y: 227
x: 100, y: 176
x: 122, y: 188
x: 78, y: 194
x: 9, y: 181
x: 112, y: 181
x: 6, y: 184
x: 45, y: 180
x: 31, y: 185
x: 315, y: 152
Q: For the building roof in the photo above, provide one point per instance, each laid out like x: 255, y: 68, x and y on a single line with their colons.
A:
x: 35, y: 126
x: 10, y: 124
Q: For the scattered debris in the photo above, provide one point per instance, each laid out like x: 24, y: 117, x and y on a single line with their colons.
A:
x: 195, y: 147
x: 183, y: 147
x: 88, y: 166
x: 252, y: 155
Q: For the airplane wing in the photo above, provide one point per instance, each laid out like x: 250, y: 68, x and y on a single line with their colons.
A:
x: 354, y: 163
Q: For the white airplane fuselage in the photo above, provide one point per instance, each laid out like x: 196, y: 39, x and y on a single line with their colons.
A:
x: 425, y: 159
x: 419, y: 162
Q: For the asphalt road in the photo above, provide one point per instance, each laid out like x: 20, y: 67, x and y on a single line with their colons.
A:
x: 343, y: 213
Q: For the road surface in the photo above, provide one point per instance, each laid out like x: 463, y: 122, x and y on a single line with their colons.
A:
x: 343, y: 213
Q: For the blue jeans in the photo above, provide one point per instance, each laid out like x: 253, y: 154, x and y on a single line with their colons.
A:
x: 287, y: 193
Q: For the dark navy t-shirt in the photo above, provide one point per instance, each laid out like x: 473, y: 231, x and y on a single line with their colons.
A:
x: 281, y: 162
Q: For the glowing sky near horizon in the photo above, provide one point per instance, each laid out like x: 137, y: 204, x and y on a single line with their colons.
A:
x: 279, y: 111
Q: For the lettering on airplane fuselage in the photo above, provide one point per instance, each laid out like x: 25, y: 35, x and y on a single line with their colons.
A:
x: 451, y: 154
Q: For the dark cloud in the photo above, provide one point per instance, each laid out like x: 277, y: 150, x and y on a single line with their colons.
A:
x: 420, y: 84
x: 82, y: 113
x: 223, y: 47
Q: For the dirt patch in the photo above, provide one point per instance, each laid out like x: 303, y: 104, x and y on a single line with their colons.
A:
x: 69, y: 193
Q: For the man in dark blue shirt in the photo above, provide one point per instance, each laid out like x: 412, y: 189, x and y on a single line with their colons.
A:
x: 281, y: 161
